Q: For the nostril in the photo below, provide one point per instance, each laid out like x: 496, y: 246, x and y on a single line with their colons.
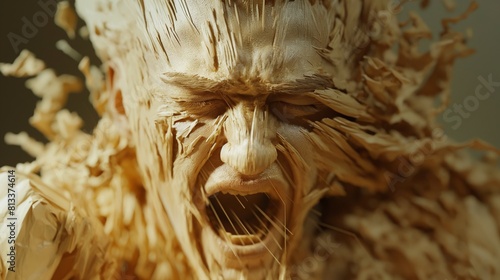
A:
x: 249, y: 158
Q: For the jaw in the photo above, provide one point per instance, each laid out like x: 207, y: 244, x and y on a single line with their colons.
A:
x: 246, y: 235
x: 244, y: 223
x: 266, y: 255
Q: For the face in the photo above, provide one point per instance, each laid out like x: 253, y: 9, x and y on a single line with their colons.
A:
x: 222, y: 112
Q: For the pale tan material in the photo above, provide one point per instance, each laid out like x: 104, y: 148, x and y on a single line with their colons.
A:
x: 302, y: 112
x: 26, y: 65
x: 63, y: 46
x: 54, y: 239
x: 66, y: 18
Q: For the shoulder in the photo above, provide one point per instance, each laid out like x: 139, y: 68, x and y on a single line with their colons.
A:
x: 44, y: 228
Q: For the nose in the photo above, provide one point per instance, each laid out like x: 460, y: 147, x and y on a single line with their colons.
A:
x: 249, y: 131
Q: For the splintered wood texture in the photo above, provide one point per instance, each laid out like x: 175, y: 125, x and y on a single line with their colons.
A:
x: 307, y: 128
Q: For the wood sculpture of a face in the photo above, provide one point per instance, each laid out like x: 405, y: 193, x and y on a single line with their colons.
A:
x: 221, y: 100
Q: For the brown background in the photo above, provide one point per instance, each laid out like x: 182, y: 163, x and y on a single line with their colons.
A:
x: 17, y: 103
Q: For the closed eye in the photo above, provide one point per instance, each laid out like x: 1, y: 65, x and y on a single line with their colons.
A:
x: 210, y: 108
x: 289, y: 110
x: 297, y: 109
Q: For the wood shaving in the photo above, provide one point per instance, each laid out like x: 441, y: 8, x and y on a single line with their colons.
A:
x: 70, y: 244
x: 66, y: 18
x: 28, y: 144
x: 54, y: 91
x: 25, y: 65
x: 63, y: 46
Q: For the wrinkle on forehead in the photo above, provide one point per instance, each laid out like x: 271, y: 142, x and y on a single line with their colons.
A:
x: 246, y: 40
x: 233, y: 39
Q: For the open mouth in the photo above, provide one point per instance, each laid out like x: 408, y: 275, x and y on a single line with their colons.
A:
x: 242, y: 219
x: 245, y: 221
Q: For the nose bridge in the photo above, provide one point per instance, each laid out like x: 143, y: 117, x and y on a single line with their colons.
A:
x: 249, y: 132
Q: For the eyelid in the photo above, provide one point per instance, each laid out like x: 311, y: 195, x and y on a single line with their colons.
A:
x: 204, y: 107
x: 200, y: 97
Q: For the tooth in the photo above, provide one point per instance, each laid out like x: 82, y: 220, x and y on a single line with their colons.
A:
x: 244, y: 239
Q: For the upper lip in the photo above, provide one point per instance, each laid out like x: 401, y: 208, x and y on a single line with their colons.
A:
x: 226, y: 180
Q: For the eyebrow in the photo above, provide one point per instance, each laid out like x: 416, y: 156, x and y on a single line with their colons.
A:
x: 198, y: 83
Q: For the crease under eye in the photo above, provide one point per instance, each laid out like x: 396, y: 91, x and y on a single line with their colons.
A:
x: 294, y: 110
x: 296, y: 99
x: 204, y: 108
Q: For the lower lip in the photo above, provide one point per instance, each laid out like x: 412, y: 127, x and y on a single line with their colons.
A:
x: 240, y: 256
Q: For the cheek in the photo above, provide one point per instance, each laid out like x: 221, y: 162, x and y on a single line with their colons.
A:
x: 296, y: 137
x: 187, y: 131
x: 194, y: 141
x: 300, y: 155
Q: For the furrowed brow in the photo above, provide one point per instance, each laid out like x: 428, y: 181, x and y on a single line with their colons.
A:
x: 189, y: 82
x: 197, y: 83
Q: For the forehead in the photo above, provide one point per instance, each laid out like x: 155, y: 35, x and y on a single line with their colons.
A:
x: 270, y: 43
